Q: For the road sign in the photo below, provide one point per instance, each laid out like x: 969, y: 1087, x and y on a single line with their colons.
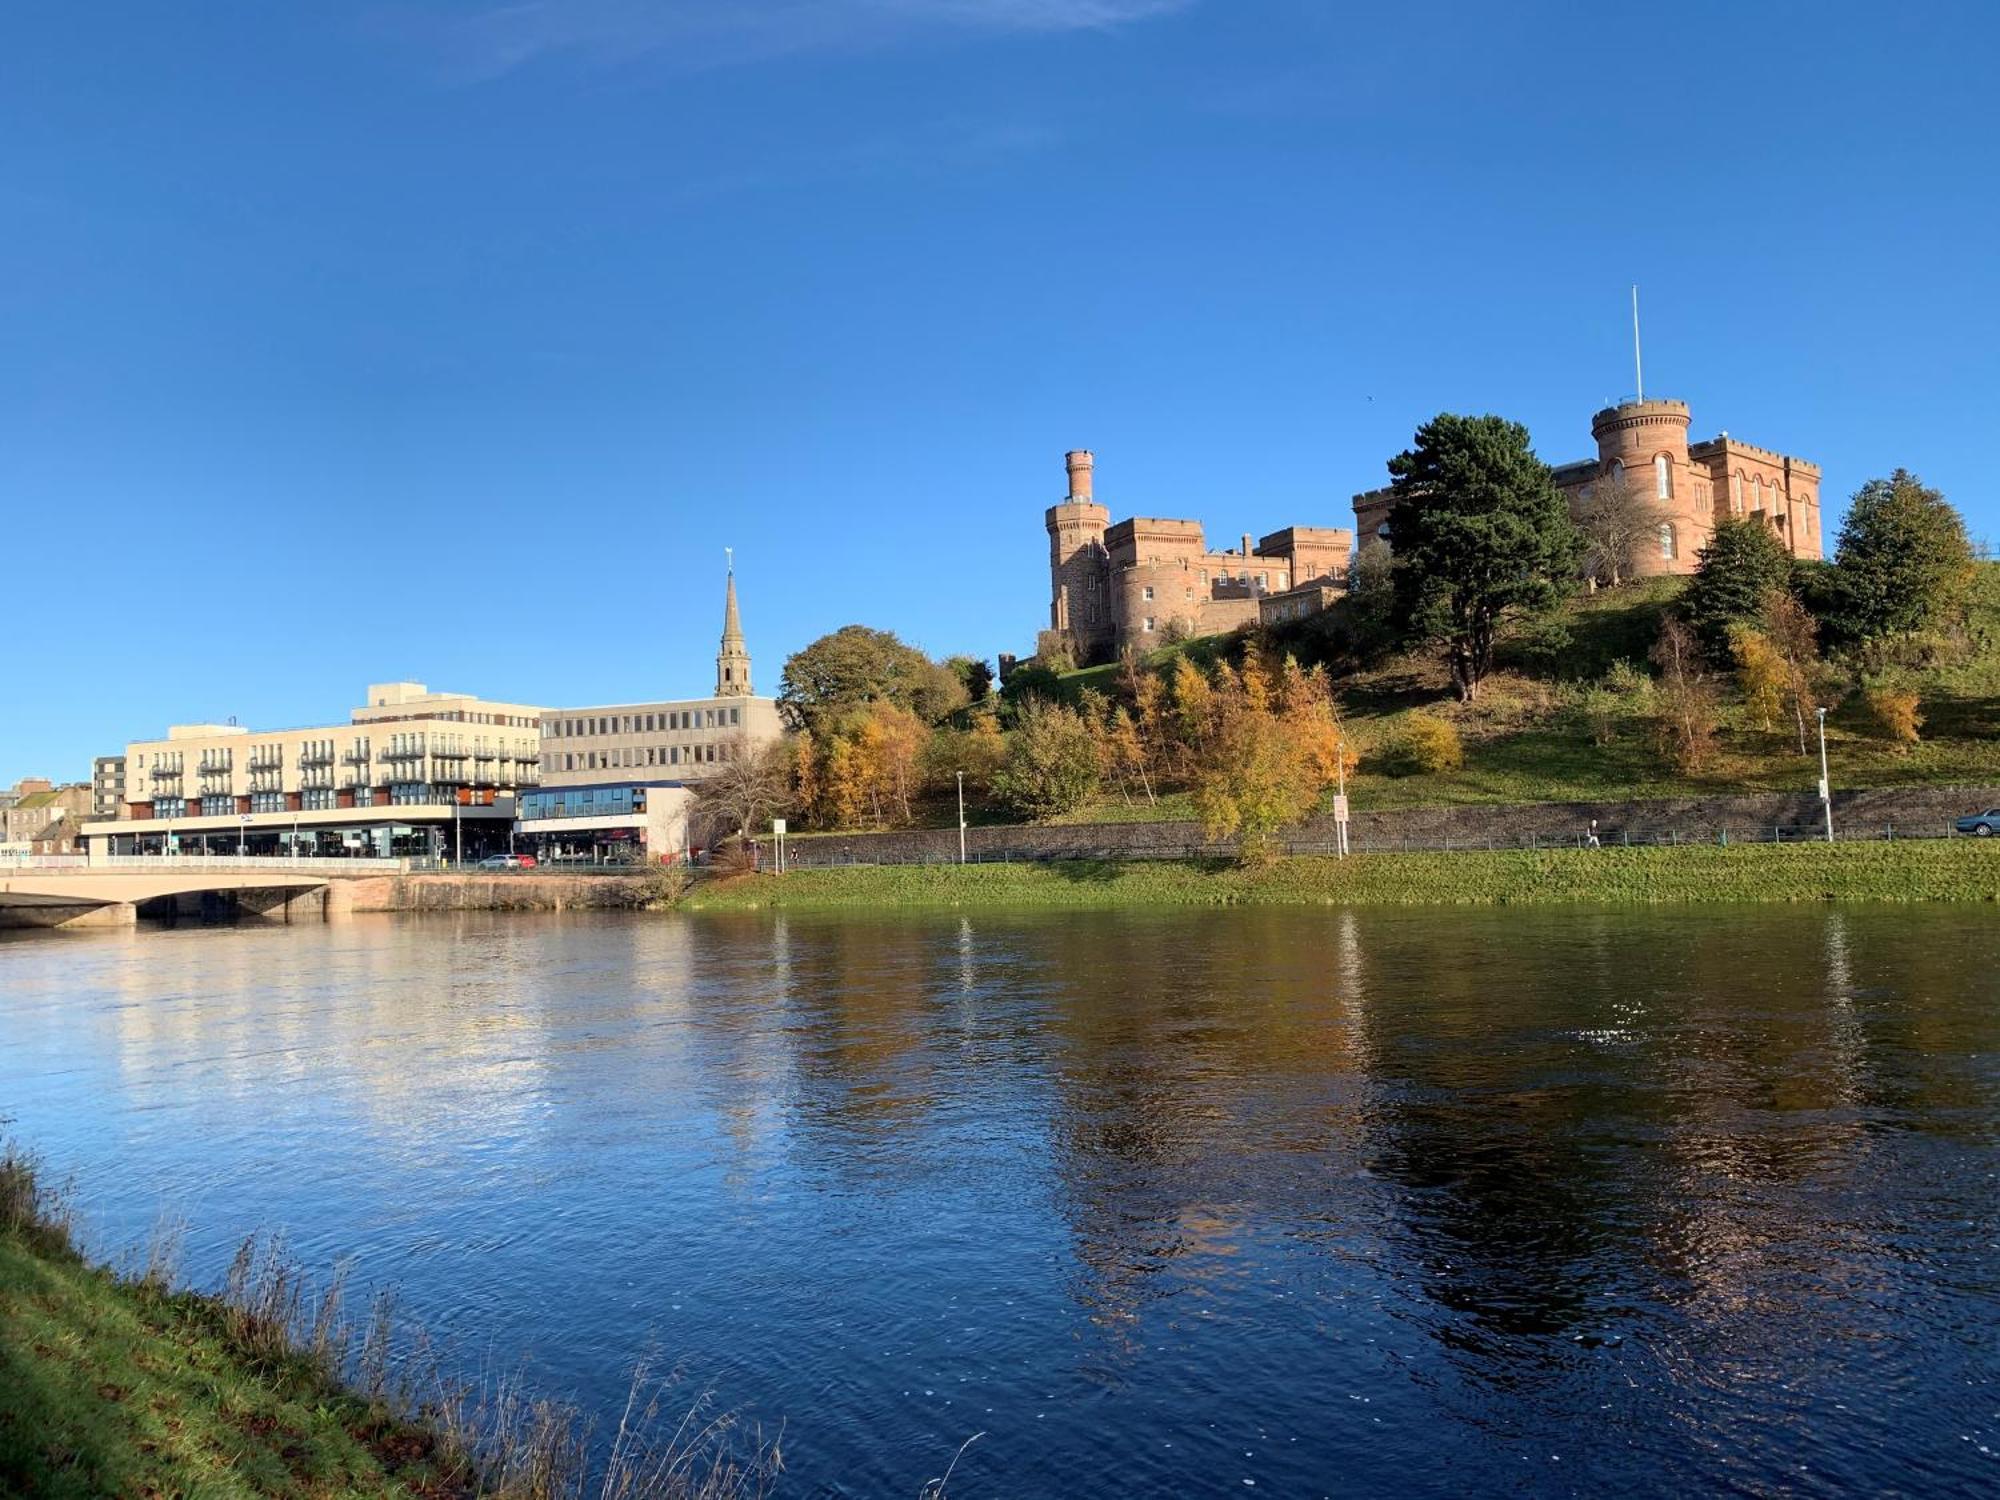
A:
x: 1340, y: 807
x: 1824, y: 795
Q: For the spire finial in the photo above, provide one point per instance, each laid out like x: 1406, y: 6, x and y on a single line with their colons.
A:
x: 729, y: 560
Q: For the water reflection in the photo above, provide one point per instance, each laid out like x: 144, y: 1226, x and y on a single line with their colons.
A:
x: 1421, y: 1203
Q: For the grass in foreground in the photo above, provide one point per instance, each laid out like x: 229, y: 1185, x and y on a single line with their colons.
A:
x: 1933, y: 870
x: 116, y: 1387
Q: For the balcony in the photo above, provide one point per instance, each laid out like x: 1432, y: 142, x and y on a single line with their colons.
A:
x: 308, y: 758
x: 355, y: 758
x: 396, y: 754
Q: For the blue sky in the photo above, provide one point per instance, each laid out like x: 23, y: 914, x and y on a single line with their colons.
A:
x: 455, y: 341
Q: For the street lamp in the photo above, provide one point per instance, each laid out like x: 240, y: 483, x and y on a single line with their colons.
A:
x: 1825, y: 787
x: 961, y: 817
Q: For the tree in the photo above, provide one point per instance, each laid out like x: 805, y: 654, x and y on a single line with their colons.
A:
x: 1479, y: 532
x: 1684, y: 702
x: 1903, y: 563
x: 1793, y: 635
x: 1616, y: 518
x: 856, y: 665
x: 748, y: 787
x: 1052, y: 762
x: 973, y: 674
x: 1760, y: 674
x: 1253, y: 777
x: 1742, y: 563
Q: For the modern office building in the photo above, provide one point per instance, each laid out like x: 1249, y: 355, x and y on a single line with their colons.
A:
x: 107, y: 787
x: 412, y: 772
x: 627, y: 771
x: 680, y: 739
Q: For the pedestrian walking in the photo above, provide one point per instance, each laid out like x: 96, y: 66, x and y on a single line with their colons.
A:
x: 1590, y: 838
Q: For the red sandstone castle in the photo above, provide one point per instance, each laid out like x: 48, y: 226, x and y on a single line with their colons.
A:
x: 1642, y: 446
x: 1144, y: 581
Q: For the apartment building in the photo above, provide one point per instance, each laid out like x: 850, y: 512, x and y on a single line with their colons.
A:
x: 412, y: 772
x: 107, y: 786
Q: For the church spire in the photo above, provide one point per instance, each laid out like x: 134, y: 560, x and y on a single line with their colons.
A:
x: 732, y: 662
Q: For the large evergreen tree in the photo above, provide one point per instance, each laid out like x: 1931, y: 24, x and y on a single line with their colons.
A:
x: 1734, y: 573
x: 1903, y: 564
x: 1479, y: 531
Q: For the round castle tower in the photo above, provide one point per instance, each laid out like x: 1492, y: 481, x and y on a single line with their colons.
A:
x: 1077, y: 603
x: 1647, y: 442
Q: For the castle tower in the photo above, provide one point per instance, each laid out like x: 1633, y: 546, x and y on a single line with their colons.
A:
x: 732, y: 662
x: 1079, y: 605
x: 1643, y: 445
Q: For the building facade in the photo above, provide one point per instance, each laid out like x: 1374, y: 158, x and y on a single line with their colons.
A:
x: 107, y: 786
x: 37, y: 806
x: 1643, y: 452
x: 412, y: 772
x: 618, y: 779
x: 1141, y: 581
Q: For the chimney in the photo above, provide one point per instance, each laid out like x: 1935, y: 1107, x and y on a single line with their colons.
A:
x: 1246, y: 544
x: 1079, y: 463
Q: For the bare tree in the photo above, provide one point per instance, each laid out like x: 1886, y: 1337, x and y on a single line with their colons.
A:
x: 1618, y: 519
x: 750, y: 785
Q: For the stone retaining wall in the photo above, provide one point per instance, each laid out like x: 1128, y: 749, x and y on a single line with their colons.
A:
x: 1917, y: 811
x: 511, y: 892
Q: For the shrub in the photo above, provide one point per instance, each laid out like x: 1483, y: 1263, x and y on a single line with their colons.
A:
x: 1051, y: 761
x: 1894, y: 711
x: 1430, y: 744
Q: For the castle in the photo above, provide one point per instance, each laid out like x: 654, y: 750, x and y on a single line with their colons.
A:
x: 1144, y: 581
x: 1643, y: 450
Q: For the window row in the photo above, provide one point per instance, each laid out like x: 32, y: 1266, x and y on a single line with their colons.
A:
x: 651, y: 755
x: 654, y: 723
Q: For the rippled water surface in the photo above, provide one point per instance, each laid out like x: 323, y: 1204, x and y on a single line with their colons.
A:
x: 1315, y: 1203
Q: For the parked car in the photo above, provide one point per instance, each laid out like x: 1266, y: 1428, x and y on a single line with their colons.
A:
x: 1980, y: 825
x: 525, y: 861
x: 501, y: 862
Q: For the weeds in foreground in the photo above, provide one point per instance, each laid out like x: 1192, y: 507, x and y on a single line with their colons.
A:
x: 491, y: 1437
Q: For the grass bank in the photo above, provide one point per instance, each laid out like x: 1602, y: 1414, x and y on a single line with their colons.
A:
x: 1933, y: 870
x: 114, y: 1386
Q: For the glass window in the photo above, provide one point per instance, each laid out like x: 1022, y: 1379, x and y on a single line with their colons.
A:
x: 1149, y: 623
x: 1662, y: 482
x: 1147, y: 594
x: 1667, y: 540
x: 735, y: 716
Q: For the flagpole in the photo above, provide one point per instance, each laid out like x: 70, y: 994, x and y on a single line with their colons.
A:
x: 1638, y: 370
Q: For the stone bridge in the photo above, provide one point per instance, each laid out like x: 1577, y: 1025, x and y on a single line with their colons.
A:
x: 65, y: 891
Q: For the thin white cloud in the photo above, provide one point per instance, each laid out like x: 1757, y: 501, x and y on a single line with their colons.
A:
x: 716, y: 33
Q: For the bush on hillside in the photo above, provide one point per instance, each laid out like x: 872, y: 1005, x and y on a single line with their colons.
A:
x: 1894, y: 712
x: 1428, y: 745
x: 1052, y: 762
x: 1903, y: 565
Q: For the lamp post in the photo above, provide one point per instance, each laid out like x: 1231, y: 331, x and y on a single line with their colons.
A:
x: 1825, y: 787
x: 961, y: 817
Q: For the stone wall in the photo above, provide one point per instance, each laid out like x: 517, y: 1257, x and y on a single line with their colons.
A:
x: 510, y: 892
x: 1917, y: 811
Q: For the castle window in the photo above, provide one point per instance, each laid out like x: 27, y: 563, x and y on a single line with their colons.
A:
x: 1736, y: 493
x: 1149, y: 624
x: 1147, y: 594
x: 1663, y: 487
x: 1667, y: 548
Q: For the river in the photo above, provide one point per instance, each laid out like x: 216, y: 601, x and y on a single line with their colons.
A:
x: 1299, y: 1202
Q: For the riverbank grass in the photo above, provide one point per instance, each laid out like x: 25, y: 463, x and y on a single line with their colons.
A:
x: 1929, y: 870
x: 114, y: 1387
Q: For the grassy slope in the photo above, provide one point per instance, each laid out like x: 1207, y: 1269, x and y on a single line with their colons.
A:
x: 110, y: 1389
x: 1523, y: 744
x: 1928, y: 871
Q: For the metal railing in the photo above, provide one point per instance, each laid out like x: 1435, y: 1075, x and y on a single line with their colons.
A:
x: 307, y: 863
x: 801, y: 854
